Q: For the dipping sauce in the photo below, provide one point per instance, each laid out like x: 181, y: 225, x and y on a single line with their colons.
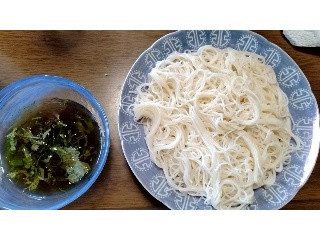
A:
x: 52, y: 146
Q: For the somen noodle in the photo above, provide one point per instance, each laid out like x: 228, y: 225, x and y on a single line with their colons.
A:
x: 217, y: 123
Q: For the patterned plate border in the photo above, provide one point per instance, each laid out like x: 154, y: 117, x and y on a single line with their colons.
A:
x: 302, y: 105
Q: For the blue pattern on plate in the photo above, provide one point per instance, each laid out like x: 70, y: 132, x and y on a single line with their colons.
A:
x: 302, y: 106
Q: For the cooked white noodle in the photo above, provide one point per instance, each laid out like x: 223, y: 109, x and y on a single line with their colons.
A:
x: 217, y: 123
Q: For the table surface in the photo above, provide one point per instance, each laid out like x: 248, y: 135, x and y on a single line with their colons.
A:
x: 100, y: 61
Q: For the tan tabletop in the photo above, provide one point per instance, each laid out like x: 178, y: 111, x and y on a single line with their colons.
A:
x: 86, y: 57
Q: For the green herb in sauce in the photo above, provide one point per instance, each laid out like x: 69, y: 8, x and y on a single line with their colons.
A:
x: 53, y: 146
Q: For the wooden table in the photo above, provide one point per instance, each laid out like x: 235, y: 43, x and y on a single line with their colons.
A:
x: 86, y: 57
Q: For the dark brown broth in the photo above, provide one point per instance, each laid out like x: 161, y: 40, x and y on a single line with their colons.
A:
x: 69, y: 113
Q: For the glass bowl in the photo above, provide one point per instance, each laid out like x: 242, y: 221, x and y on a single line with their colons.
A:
x: 24, y: 93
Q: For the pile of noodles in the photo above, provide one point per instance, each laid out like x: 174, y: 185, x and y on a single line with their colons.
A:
x: 217, y: 123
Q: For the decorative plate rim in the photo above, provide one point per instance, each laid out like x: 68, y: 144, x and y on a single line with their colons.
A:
x: 316, y: 128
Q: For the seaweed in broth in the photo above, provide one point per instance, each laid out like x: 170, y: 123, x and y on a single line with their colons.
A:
x: 53, y: 146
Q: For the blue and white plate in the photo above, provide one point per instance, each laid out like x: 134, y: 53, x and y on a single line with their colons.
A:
x: 302, y: 105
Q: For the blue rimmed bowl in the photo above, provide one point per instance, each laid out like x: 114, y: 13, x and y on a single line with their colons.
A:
x: 24, y: 93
